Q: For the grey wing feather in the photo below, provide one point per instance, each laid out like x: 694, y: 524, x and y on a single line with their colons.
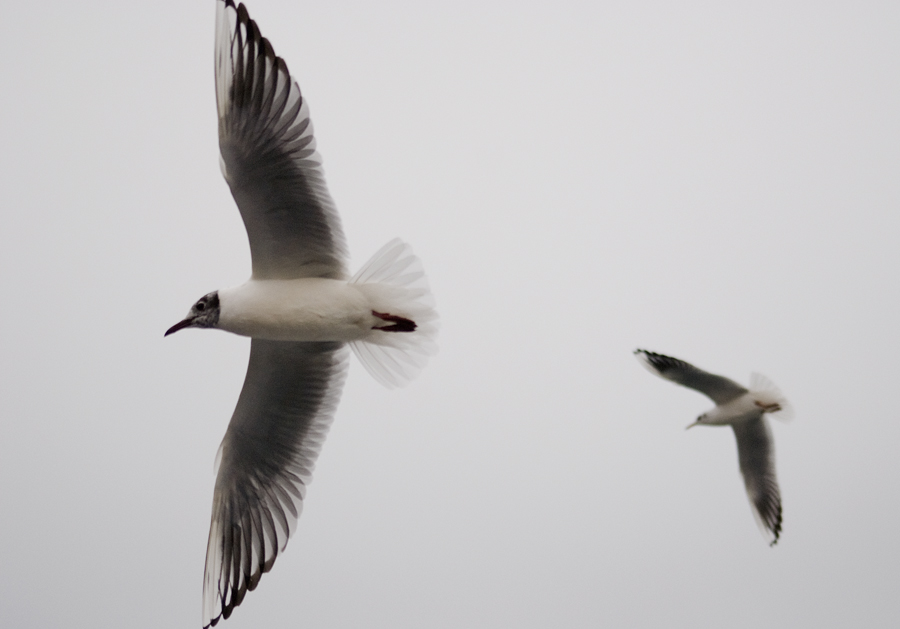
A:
x: 756, y: 454
x: 718, y: 388
x: 269, y: 158
x: 267, y: 458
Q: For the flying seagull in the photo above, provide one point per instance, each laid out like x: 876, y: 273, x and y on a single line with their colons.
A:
x: 744, y: 410
x: 300, y: 307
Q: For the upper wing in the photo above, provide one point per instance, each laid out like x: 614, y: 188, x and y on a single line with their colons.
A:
x: 269, y: 159
x: 266, y: 461
x: 756, y: 453
x: 718, y: 388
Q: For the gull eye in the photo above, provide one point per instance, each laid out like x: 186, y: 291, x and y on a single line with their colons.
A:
x: 200, y: 306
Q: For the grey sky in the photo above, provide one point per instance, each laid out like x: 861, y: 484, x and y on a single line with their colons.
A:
x: 714, y: 183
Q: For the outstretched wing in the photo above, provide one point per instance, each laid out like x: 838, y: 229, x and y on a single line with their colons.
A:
x: 756, y: 454
x: 269, y: 158
x: 718, y: 388
x: 266, y: 461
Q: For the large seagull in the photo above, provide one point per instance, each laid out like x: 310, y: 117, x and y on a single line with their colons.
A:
x: 745, y: 411
x: 300, y: 307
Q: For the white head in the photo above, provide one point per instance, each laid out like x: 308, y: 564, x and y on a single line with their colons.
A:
x: 203, y: 314
x: 699, y: 420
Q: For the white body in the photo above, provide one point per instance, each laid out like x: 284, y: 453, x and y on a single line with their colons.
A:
x: 740, y: 409
x: 307, y: 309
x: 313, y: 309
x: 762, y: 397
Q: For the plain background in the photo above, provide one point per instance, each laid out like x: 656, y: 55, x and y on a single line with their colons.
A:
x: 717, y: 183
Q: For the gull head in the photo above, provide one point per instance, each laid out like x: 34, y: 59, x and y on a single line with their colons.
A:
x: 699, y: 421
x: 203, y: 314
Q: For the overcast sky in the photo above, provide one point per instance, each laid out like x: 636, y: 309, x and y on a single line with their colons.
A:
x: 715, y: 183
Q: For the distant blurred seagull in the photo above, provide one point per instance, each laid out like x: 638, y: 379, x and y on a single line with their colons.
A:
x: 300, y: 307
x: 745, y: 411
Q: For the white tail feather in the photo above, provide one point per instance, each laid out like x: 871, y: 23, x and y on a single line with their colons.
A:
x: 767, y: 393
x: 395, y: 283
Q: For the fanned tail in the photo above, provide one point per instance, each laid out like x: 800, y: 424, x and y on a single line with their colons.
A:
x: 767, y: 394
x: 395, y: 283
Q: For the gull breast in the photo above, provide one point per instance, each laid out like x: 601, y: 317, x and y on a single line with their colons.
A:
x: 307, y: 309
x: 739, y: 409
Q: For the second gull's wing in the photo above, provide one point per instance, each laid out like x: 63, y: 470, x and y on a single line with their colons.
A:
x: 756, y: 454
x: 718, y: 388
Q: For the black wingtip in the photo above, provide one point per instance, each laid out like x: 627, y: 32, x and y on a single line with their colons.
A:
x: 662, y: 362
x: 776, y: 530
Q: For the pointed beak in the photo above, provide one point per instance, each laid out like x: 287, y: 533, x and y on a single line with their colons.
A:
x: 688, y: 427
x: 179, y: 326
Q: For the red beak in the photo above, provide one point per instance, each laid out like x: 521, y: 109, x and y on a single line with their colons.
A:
x: 180, y: 325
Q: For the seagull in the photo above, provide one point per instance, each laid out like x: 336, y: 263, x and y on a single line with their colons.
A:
x: 300, y: 307
x: 745, y: 411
